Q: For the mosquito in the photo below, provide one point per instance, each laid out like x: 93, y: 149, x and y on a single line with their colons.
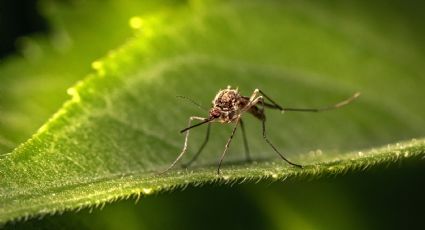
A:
x: 228, y: 106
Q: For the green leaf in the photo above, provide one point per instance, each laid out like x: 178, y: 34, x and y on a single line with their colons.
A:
x: 34, y: 82
x: 121, y: 125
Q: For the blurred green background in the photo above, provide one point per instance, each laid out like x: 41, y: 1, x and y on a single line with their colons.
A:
x: 48, y: 46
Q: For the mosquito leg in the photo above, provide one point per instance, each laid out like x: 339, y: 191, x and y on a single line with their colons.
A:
x: 200, y: 149
x: 252, y: 101
x: 184, y: 146
x: 340, y: 104
x: 274, y: 148
x: 245, y: 141
x: 252, y: 98
x: 263, y: 121
x: 226, y: 147
x: 274, y: 104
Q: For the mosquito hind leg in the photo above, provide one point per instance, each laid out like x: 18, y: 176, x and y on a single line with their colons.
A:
x: 273, y: 105
x: 338, y: 105
x: 254, y: 99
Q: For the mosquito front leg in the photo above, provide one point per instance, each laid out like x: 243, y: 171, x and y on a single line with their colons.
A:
x: 201, y: 148
x: 185, y: 142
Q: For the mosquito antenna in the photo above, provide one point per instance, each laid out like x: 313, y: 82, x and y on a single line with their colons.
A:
x: 193, y: 102
x: 335, y: 106
x: 195, y: 125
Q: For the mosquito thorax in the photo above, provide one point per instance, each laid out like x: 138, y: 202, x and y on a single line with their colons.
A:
x: 227, y: 104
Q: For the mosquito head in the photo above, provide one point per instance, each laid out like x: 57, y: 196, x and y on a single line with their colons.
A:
x: 215, y: 113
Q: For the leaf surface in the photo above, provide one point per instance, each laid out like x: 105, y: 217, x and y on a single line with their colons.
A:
x: 121, y: 125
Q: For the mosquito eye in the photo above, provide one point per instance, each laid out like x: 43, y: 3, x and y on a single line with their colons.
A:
x: 215, y: 113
